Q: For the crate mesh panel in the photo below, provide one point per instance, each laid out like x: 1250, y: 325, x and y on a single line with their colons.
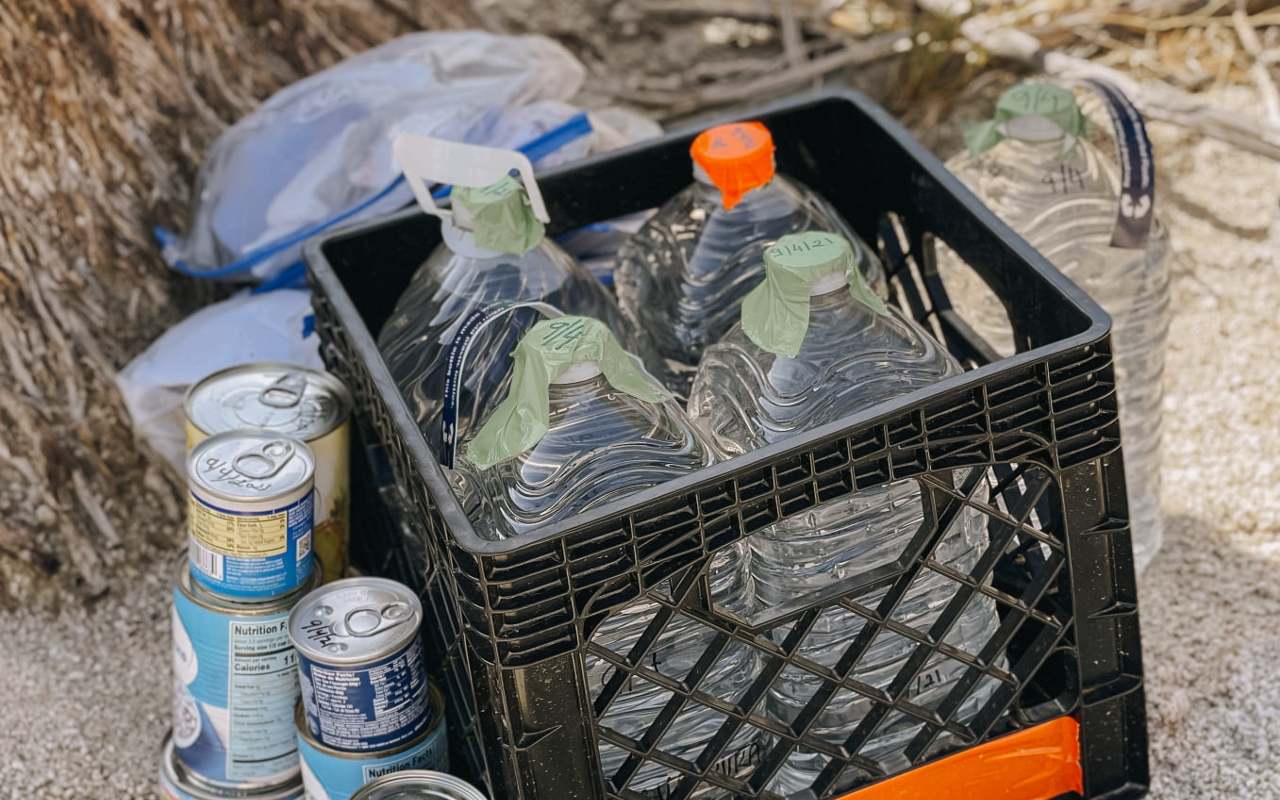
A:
x: 907, y: 684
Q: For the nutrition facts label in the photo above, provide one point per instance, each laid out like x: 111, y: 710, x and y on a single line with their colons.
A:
x: 262, y: 687
x: 371, y: 708
x: 242, y: 535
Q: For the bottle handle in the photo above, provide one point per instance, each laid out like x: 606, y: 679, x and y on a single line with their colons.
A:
x: 426, y: 160
x: 1135, y: 211
x: 457, y: 360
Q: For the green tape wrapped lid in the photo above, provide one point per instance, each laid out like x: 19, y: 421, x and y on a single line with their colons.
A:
x: 520, y: 420
x: 775, y: 314
x: 499, y: 216
x: 1030, y: 99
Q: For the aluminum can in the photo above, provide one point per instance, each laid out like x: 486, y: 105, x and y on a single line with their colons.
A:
x: 250, y: 514
x: 364, y: 684
x: 419, y: 785
x: 298, y: 402
x: 330, y: 774
x: 235, y: 685
x: 176, y: 783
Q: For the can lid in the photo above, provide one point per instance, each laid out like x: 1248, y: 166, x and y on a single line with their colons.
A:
x: 418, y: 784
x: 355, y: 620
x: 737, y: 158
x: 285, y: 398
x: 250, y: 465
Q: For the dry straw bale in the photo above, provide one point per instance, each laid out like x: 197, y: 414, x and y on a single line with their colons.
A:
x: 107, y: 106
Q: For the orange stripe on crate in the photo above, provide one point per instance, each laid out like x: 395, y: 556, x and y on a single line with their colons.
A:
x: 1034, y: 764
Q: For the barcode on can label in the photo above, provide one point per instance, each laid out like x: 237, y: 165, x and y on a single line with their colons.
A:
x: 205, y: 560
x: 304, y: 546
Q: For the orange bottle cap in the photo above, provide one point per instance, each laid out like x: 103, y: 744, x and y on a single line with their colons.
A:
x: 737, y: 158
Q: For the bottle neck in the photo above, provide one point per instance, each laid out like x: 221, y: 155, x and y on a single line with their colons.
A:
x: 710, y: 191
x: 577, y: 373
x: 1034, y: 130
x: 828, y: 284
x: 463, y: 242
x: 576, y: 383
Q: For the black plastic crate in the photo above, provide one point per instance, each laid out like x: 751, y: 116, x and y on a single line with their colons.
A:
x: 514, y: 618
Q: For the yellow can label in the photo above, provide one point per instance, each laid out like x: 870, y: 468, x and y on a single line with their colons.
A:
x: 239, y: 535
x: 333, y: 499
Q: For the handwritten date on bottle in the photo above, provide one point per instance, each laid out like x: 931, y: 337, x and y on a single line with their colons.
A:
x: 1064, y: 179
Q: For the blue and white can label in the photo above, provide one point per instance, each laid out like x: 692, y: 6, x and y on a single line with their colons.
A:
x: 364, y: 683
x: 372, y: 707
x: 251, y: 512
x: 330, y: 774
x: 235, y: 684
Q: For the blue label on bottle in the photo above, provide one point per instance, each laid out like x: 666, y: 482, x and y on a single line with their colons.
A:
x: 456, y: 362
x: 1137, y: 168
x: 366, y: 708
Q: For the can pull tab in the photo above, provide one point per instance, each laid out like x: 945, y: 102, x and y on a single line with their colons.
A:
x: 264, y: 461
x: 367, y: 621
x: 285, y: 391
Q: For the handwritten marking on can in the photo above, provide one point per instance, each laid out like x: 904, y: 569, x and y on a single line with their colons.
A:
x: 419, y: 785
x: 364, y: 684
x: 330, y: 774
x: 176, y: 783
x: 250, y: 514
x: 235, y: 684
x: 293, y: 401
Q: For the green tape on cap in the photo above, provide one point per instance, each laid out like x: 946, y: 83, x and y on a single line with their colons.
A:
x: 499, y: 216
x: 1055, y: 103
x: 775, y: 314
x: 520, y: 420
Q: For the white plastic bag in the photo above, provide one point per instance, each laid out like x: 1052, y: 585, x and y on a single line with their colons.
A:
x: 319, y: 151
x: 271, y: 326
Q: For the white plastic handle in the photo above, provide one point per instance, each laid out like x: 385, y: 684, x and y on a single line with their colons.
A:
x: 425, y: 160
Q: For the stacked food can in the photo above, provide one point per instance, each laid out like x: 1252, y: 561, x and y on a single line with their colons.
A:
x: 267, y: 663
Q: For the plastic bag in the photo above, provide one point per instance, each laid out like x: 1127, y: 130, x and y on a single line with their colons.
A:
x: 273, y: 326
x: 319, y: 151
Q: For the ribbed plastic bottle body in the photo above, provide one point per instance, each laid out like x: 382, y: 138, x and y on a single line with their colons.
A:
x: 448, y: 289
x: 1064, y: 205
x: 745, y: 397
x: 601, y: 446
x: 683, y: 276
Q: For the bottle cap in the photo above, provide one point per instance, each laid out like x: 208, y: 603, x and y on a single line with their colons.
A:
x: 737, y: 158
x: 547, y: 350
x: 775, y: 314
x: 1030, y: 99
x: 499, y: 216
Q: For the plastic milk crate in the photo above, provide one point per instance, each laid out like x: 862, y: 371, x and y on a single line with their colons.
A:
x: 1031, y: 442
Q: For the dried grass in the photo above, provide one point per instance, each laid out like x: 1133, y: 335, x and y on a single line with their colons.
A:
x: 108, y: 105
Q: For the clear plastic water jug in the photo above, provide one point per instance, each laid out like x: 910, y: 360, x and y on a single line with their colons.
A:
x: 683, y: 276
x: 494, y: 254
x: 1035, y: 168
x: 816, y: 344
x: 582, y: 425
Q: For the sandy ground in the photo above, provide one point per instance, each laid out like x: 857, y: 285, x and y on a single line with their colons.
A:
x: 87, y: 693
